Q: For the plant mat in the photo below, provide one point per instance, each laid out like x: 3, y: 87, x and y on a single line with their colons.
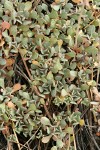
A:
x: 49, y: 75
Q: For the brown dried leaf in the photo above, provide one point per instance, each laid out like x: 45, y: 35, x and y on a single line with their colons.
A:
x: 5, y: 25
x: 46, y: 139
x: 9, y: 62
x: 35, y: 63
x: 16, y: 87
x: 6, y: 130
x: 95, y: 90
x: 2, y: 43
x: 57, y: 1
x: 60, y: 42
x: 96, y: 94
x: 98, y: 133
x: 76, y: 1
x: 11, y: 105
x: 0, y: 35
x: 97, y: 97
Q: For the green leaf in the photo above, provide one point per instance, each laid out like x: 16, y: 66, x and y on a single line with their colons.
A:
x: 47, y: 18
x: 30, y: 33
x: 2, y: 61
x: 84, y: 87
x: 72, y: 66
x: 32, y: 107
x: 45, y: 121
x: 54, y: 92
x: 73, y: 73
x: 91, y: 29
x: 6, y: 36
x: 13, y: 30
x: 23, y: 51
x: 44, y: 7
x: 70, y: 41
x: 53, y: 14
x: 28, y: 6
x: 53, y: 23
x: 86, y: 102
x: 55, y: 7
x: 1, y: 11
x: 71, y: 31
x: 59, y: 143
x: 56, y: 32
x: 2, y: 107
x: 69, y: 130
x: 91, y: 50
x: 63, y: 92
x: 63, y: 15
x: 54, y: 148
x: 50, y: 76
x: 1, y: 98
x: 34, y: 14
x: 8, y: 5
x: 2, y: 82
x: 5, y: 117
x: 57, y: 66
x: 34, y: 55
x: 53, y: 40
x: 24, y: 94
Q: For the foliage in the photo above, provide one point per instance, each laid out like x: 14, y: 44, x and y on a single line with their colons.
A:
x: 48, y: 60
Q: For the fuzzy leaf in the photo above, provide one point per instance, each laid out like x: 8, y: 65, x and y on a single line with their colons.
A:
x: 45, y: 121
x: 8, y: 5
x: 2, y: 82
x: 54, y: 148
x: 46, y: 139
x: 59, y: 143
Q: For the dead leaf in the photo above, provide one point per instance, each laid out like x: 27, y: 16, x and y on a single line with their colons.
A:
x: 5, y: 25
x: 10, y: 68
x: 2, y: 43
x: 24, y: 102
x: 94, y: 103
x: 16, y: 87
x: 77, y: 49
x: 67, y: 57
x: 5, y: 131
x: 97, y: 98
x: 11, y: 105
x: 0, y: 35
x: 60, y: 42
x: 86, y: 3
x: 95, y: 90
x: 46, y: 139
x: 98, y: 133
x: 57, y: 1
x: 76, y: 1
x: 98, y: 109
x: 54, y: 137
x: 99, y: 122
x: 96, y: 94
x: 35, y: 63
x: 9, y: 62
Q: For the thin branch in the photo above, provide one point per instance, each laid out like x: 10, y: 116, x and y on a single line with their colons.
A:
x: 31, y: 138
x: 26, y: 68
x: 47, y: 112
x: 74, y: 140
x: 16, y: 136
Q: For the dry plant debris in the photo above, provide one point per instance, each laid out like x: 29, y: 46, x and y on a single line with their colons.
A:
x: 49, y: 74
